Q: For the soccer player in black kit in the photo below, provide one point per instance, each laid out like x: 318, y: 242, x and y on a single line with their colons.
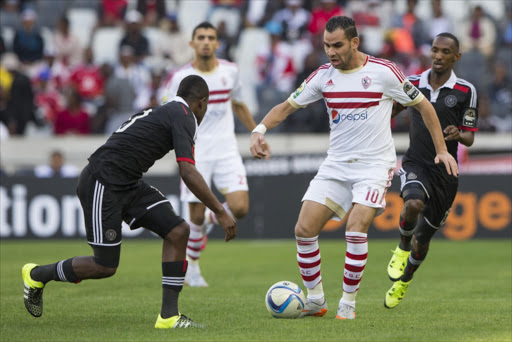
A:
x: 111, y: 190
x: 427, y: 189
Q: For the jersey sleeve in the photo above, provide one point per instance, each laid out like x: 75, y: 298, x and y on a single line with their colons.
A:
x: 236, y: 92
x: 469, y: 113
x: 183, y: 129
x: 309, y: 91
x: 400, y: 89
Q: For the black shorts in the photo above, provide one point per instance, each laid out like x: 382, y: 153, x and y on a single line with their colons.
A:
x: 439, y: 192
x: 105, y: 210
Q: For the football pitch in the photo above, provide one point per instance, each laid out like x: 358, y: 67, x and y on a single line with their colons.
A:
x: 462, y: 292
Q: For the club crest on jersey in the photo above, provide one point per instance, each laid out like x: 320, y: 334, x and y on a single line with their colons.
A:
x: 411, y: 90
x: 366, y: 81
x: 411, y: 175
x: 469, y: 117
x: 450, y: 101
x: 110, y: 235
x: 299, y: 90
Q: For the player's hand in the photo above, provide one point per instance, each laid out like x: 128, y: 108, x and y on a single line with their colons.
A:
x: 227, y: 222
x: 259, y: 147
x: 449, y: 162
x: 451, y: 133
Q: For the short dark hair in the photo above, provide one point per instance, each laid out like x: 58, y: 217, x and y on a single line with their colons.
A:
x: 203, y: 25
x: 450, y: 36
x: 348, y: 25
x: 193, y: 88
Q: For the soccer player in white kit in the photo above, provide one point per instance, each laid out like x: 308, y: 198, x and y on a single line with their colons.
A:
x: 216, y: 149
x: 358, y: 91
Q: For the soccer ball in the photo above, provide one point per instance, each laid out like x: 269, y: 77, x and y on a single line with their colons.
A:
x: 285, y: 300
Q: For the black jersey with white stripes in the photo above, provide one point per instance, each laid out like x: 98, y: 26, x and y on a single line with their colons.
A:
x: 143, y: 139
x: 455, y: 103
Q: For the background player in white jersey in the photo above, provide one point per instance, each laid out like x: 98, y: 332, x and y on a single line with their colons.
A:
x: 217, y: 155
x: 358, y: 91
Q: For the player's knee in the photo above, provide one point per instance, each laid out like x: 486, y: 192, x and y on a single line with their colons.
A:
x: 179, y: 234
x: 239, y: 211
x: 103, y: 271
x: 412, y: 208
x: 302, y: 230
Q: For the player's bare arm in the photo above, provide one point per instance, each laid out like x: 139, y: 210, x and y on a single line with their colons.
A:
x: 431, y: 120
x: 397, y: 109
x: 454, y: 133
x: 195, y: 182
x: 259, y: 147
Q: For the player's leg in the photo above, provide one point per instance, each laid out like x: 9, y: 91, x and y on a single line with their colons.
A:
x: 312, y: 217
x: 369, y: 189
x: 194, y: 277
x: 420, y: 245
x: 229, y: 176
x: 415, y: 195
x: 432, y: 219
x: 356, y: 255
x: 154, y: 212
x: 103, y: 229
x: 324, y: 199
x: 197, y: 225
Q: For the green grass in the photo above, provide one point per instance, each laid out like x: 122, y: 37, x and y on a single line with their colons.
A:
x: 462, y: 292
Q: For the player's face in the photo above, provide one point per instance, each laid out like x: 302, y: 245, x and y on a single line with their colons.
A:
x: 444, y: 54
x: 339, y: 49
x: 205, y: 43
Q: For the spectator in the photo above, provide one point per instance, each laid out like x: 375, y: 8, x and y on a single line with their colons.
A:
x: 225, y: 42
x: 257, y: 13
x: 56, y: 168
x: 137, y: 74
x: 118, y: 107
x: 275, y: 68
x: 28, y: 43
x: 153, y: 11
x: 439, y: 23
x: 322, y: 13
x: 20, y: 109
x: 410, y: 23
x: 479, y: 32
x: 500, y: 97
x: 88, y: 81
x: 48, y: 100
x: 73, y: 119
x: 68, y: 48
x: 112, y: 12
x: 10, y: 13
x: 133, y: 36
x: 174, y: 50
x: 294, y: 19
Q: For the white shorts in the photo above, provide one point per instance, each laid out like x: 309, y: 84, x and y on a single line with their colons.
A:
x: 228, y: 175
x: 339, y: 184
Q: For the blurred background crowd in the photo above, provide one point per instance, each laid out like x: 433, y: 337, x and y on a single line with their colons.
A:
x: 84, y: 66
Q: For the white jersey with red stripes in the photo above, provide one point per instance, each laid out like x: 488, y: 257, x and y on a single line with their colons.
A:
x: 359, y: 104
x: 216, y: 133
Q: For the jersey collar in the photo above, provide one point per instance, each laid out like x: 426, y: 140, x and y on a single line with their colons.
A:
x: 450, y: 83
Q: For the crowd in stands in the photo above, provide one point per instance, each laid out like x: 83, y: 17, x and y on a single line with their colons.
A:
x: 84, y: 66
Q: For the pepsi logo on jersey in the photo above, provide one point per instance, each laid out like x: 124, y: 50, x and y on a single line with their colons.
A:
x: 337, y: 118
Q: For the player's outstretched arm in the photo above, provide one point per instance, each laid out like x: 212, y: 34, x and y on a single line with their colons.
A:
x: 259, y: 147
x: 428, y: 113
x: 195, y: 182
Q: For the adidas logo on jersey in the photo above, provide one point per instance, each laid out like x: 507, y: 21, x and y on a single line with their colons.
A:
x: 329, y: 83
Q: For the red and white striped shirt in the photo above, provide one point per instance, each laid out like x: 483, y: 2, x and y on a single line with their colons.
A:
x: 359, y: 104
x: 216, y: 133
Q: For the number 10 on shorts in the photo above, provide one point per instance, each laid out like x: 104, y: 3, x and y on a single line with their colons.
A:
x: 373, y: 195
